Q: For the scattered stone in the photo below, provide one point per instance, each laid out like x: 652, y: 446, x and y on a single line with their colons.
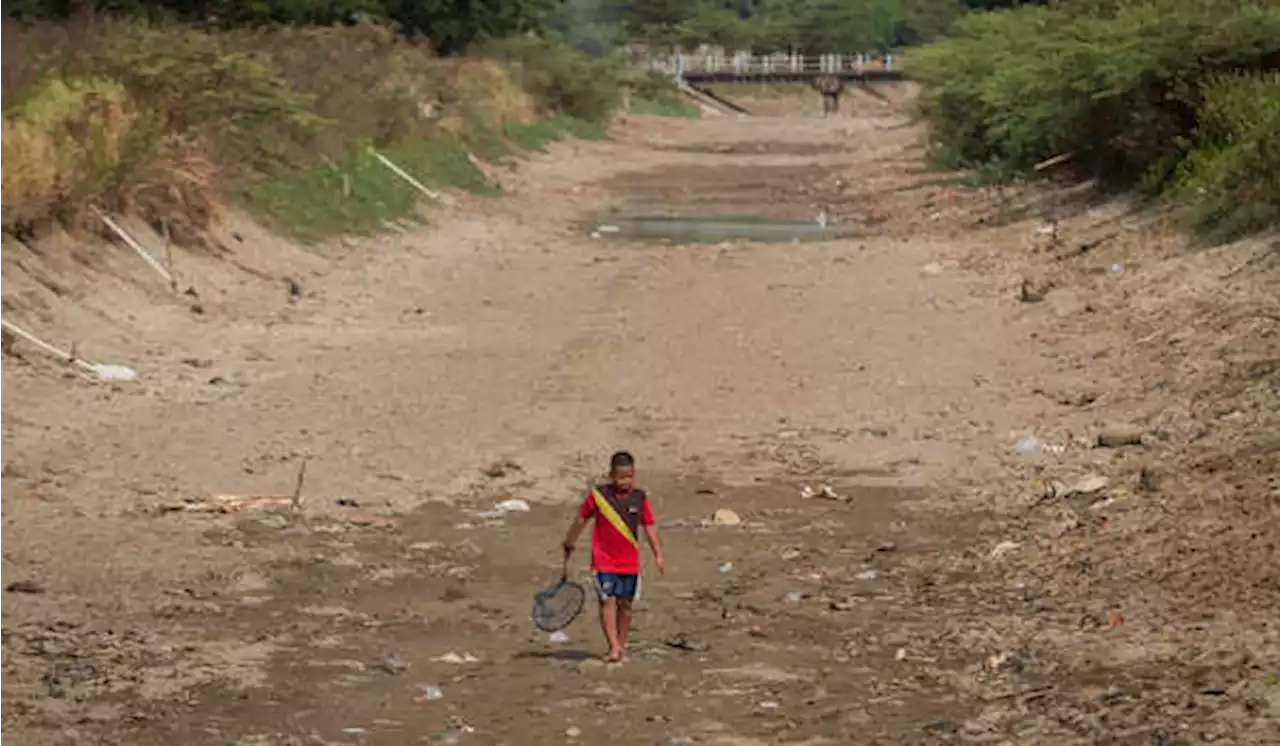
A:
x: 29, y: 587
x: 392, y: 664
x: 887, y: 546
x: 1032, y: 292
x: 867, y: 575
x: 1003, y: 548
x: 1149, y: 479
x: 942, y: 726
x: 932, y: 269
x: 1115, y: 619
x: 794, y: 597
x: 428, y: 693
x: 789, y: 555
x: 1118, y: 436
x: 725, y: 517
x: 1090, y: 485
x: 681, y: 642
x: 901, y: 655
x: 558, y: 638
x: 758, y: 671
x: 726, y: 568
x: 845, y: 605
x: 456, y: 659
x: 573, y: 731
x: 500, y: 469
x: 348, y: 502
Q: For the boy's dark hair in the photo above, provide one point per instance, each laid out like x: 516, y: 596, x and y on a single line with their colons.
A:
x: 619, y: 460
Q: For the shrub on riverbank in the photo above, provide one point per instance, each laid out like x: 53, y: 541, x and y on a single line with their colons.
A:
x: 169, y: 122
x: 1143, y: 94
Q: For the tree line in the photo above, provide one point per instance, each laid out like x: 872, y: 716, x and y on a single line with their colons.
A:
x: 815, y: 26
x: 596, y: 26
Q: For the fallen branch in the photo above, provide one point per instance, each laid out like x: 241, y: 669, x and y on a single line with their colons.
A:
x: 237, y: 503
x: 1054, y: 161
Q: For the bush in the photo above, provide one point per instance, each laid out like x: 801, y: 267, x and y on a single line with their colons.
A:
x: 1232, y: 176
x: 1119, y: 85
x: 164, y: 120
x: 1023, y: 85
x: 561, y: 79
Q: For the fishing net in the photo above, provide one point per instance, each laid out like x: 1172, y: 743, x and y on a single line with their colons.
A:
x: 556, y: 607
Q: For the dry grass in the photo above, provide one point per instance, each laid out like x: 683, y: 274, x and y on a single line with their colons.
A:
x: 165, y: 121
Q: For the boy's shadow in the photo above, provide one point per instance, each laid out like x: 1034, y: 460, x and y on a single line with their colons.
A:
x: 557, y: 655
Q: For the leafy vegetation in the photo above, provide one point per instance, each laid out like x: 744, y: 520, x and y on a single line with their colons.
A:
x: 1170, y: 95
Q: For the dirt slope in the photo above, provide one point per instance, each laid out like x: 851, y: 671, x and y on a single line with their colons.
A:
x: 966, y: 591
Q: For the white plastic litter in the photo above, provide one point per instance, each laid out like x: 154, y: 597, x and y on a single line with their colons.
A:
x: 452, y: 657
x: 512, y: 506
x: 558, y: 638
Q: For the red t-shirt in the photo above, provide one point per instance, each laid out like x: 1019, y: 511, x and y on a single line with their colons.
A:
x: 611, y: 550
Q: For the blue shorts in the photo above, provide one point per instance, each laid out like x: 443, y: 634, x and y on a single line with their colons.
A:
x: 614, y: 585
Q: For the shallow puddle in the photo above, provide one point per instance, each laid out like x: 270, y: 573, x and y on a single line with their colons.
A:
x: 719, y: 228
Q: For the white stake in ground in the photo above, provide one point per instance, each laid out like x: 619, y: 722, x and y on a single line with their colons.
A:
x: 105, y: 372
x: 150, y: 260
x: 393, y: 168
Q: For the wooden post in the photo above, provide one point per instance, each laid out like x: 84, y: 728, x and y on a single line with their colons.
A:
x: 168, y: 253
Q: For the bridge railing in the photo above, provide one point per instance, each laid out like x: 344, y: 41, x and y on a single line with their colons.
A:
x: 746, y: 64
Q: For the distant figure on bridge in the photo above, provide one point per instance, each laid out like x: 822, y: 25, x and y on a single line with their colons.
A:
x: 830, y: 86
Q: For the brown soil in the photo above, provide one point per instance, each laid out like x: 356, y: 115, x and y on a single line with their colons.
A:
x: 963, y: 592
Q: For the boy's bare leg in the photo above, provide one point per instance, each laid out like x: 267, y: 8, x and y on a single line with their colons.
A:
x: 609, y: 623
x: 624, y: 622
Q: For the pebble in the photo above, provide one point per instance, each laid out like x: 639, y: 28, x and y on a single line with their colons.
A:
x: 725, y: 517
x: 573, y: 731
x: 867, y: 575
x: 1117, y: 436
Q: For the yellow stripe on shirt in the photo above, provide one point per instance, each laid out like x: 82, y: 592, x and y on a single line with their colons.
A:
x: 606, y: 509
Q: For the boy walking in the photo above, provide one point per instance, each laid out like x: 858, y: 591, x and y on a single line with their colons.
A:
x: 619, y: 511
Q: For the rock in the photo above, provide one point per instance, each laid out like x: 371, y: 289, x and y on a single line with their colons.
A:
x: 867, y: 575
x: 1003, y: 548
x: 29, y: 587
x: 1090, y: 485
x: 681, y: 642
x: 393, y: 664
x: 1118, y: 436
x: 573, y: 731
x: 1149, y: 479
x: 932, y: 269
x: 725, y: 517
x: 1031, y: 292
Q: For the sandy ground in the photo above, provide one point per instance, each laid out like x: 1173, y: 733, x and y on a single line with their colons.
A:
x: 992, y: 575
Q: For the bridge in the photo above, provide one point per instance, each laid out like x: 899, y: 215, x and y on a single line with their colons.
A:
x: 744, y: 67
